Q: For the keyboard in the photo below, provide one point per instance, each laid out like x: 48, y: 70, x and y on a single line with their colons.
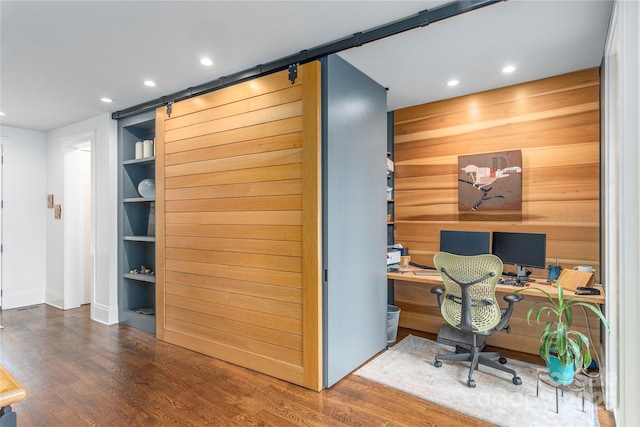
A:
x: 511, y: 282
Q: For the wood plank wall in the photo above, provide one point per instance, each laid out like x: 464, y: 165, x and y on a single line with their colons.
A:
x: 238, y: 266
x: 554, y: 121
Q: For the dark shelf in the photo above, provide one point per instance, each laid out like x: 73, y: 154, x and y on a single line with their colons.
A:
x: 138, y: 199
x: 144, y: 161
x: 140, y: 238
x: 146, y: 322
x: 141, y: 277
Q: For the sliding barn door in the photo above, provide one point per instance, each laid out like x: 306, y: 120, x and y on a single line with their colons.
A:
x: 238, y: 251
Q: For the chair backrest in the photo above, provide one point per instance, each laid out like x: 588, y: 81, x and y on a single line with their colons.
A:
x: 470, y: 282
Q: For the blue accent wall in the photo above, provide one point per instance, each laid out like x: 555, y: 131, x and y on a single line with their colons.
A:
x: 354, y: 155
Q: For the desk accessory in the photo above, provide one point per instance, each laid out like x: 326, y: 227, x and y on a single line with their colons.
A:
x: 554, y: 271
x: 425, y: 267
x: 586, y: 268
x: 433, y: 273
x: 393, y: 256
x: 587, y: 291
x: 572, y: 279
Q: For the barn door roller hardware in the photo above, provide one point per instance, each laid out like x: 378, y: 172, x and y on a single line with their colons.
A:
x: 293, y: 73
x: 417, y: 20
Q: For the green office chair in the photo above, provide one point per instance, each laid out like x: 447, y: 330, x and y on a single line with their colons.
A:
x: 468, y: 302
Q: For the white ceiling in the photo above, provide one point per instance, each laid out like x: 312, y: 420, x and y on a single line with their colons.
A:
x: 58, y: 58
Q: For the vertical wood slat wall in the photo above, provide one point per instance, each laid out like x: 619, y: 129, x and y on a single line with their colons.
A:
x: 238, y: 176
x: 554, y: 121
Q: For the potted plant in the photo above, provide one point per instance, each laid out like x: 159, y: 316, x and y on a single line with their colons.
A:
x: 564, y: 350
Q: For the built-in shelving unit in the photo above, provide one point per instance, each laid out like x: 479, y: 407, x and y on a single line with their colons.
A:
x: 390, y: 183
x: 390, y: 200
x: 136, y: 225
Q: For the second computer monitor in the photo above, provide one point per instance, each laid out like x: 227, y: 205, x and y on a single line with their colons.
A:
x: 520, y: 249
x: 465, y: 242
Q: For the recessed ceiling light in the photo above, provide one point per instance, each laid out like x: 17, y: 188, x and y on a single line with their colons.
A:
x: 149, y: 83
x: 107, y: 100
x: 206, y: 61
x: 1, y: 113
x: 452, y: 83
x: 508, y: 69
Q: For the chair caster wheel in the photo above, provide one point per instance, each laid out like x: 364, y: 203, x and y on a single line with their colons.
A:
x: 437, y: 363
x: 471, y: 383
x: 517, y: 380
x: 502, y: 360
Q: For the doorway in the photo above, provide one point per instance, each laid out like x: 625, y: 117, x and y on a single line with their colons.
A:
x: 78, y: 217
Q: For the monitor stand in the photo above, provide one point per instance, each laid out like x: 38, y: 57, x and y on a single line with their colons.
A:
x: 521, y: 276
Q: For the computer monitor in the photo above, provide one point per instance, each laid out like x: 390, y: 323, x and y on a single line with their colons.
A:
x: 465, y: 242
x: 520, y: 249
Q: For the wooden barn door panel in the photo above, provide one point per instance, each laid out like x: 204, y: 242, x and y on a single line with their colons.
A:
x: 238, y: 192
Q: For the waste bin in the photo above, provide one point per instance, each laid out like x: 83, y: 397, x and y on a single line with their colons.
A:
x: 393, y: 317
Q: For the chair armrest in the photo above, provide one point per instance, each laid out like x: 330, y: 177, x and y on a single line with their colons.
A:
x: 439, y: 291
x: 511, y: 299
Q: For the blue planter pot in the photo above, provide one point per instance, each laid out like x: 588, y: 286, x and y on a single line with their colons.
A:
x: 558, y: 373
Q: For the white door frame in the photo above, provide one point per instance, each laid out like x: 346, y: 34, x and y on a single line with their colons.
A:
x: 71, y: 300
x: 1, y: 210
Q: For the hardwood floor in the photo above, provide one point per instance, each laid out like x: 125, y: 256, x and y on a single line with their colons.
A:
x: 79, y: 372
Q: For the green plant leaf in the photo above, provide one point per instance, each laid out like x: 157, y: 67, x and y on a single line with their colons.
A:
x: 560, y: 294
x: 561, y: 343
x: 576, y: 351
x: 595, y: 309
x: 568, y: 314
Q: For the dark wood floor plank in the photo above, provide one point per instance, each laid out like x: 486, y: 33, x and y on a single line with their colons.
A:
x: 82, y: 373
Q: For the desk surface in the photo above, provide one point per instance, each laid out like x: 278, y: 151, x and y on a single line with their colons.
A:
x: 432, y: 277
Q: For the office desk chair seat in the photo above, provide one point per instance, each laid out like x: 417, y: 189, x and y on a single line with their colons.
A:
x: 468, y: 302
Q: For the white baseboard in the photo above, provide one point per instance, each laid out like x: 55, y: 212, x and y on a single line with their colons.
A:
x: 24, y: 299
x: 54, y: 298
x: 104, y: 314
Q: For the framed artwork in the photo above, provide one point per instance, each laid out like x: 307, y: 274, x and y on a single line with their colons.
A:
x: 50, y: 201
x: 57, y: 211
x: 491, y: 181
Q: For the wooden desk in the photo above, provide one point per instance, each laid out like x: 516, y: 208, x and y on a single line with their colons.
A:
x: 420, y: 311
x: 10, y: 392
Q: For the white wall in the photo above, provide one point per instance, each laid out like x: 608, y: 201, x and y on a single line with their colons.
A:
x: 104, y: 307
x: 621, y: 183
x: 24, y: 217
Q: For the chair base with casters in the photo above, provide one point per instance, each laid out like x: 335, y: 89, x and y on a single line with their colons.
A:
x: 477, y: 357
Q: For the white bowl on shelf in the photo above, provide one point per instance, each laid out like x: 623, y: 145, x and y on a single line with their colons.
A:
x: 147, y: 188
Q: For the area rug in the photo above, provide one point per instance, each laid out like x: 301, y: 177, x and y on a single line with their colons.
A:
x: 408, y: 367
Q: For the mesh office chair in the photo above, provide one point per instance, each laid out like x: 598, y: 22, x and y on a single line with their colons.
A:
x: 468, y: 302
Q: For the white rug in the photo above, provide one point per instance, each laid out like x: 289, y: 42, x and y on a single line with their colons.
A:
x: 408, y: 367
